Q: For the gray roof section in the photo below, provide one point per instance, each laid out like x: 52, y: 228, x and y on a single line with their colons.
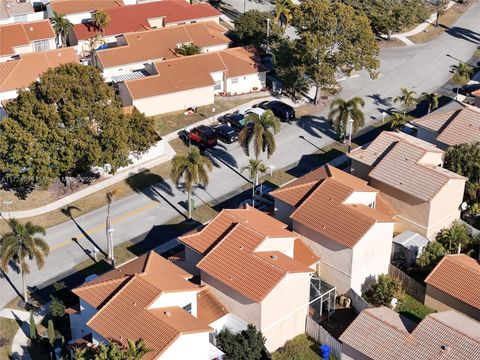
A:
x: 411, y: 240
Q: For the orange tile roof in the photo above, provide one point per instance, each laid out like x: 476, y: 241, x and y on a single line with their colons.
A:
x: 303, y: 253
x: 192, y: 72
x: 123, y: 298
x: 133, y: 18
x: 234, y: 262
x: 213, y: 232
x: 21, y: 34
x: 67, y: 7
x: 161, y: 43
x: 21, y: 73
x: 382, y: 334
x: 319, y: 200
x: 209, y: 308
x: 459, y: 276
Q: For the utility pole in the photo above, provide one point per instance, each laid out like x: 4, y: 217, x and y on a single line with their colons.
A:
x: 111, y: 255
x: 268, y: 33
x: 350, y: 130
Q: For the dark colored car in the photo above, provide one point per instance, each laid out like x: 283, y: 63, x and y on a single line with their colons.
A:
x: 468, y: 89
x: 236, y: 121
x: 201, y: 136
x: 226, y: 133
x: 281, y: 110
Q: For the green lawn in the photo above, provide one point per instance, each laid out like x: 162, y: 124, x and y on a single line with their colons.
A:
x: 412, y: 309
x: 8, y: 329
x: 301, y: 347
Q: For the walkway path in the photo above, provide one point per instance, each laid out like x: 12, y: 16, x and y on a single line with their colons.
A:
x: 404, y: 37
x: 21, y: 339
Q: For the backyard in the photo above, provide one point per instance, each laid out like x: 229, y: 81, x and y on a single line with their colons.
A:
x: 412, y: 309
x: 301, y: 347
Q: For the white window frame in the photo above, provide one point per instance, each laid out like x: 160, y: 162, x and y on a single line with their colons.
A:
x: 41, y: 45
x: 234, y: 80
x: 217, y: 85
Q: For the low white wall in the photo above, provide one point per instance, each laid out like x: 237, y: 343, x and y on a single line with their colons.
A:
x: 230, y: 321
x: 245, y: 83
x: 180, y: 299
x: 188, y: 346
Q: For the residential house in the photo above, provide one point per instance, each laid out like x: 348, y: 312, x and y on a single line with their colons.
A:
x: 136, y: 51
x: 347, y: 223
x: 180, y: 83
x: 409, y: 173
x: 148, y: 298
x: 381, y: 333
x: 21, y: 38
x: 20, y: 73
x: 257, y: 268
x: 141, y: 17
x: 16, y: 11
x: 446, y: 128
x: 455, y: 284
x: 77, y: 11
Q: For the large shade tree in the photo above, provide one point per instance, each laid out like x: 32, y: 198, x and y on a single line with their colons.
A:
x: 21, y: 245
x: 190, y: 170
x: 251, y: 29
x: 341, y: 111
x: 260, y: 131
x: 333, y: 39
x: 65, y: 124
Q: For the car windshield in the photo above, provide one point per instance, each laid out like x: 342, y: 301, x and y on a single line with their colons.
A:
x: 231, y: 132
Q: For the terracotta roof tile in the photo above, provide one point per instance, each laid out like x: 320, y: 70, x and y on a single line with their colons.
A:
x: 463, y: 128
x: 219, y: 227
x: 161, y: 44
x: 192, y: 72
x: 135, y: 17
x: 180, y: 320
x: 458, y: 276
x: 380, y: 333
x: 303, y: 253
x: 234, y: 263
x: 21, y: 73
x: 21, y: 34
x: 67, y: 7
x: 209, y: 308
x: 437, y: 120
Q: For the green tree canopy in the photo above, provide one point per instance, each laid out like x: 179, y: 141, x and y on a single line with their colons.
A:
x: 430, y: 256
x: 387, y: 16
x: 334, y: 39
x: 246, y: 345
x: 383, y: 290
x: 188, y: 49
x: 260, y: 130
x: 457, y: 235
x: 407, y: 99
x: 65, y: 124
x: 61, y: 25
x: 100, y: 20
x: 251, y: 29
x: 341, y: 111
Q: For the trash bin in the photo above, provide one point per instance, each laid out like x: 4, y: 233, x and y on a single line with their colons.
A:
x: 325, y: 352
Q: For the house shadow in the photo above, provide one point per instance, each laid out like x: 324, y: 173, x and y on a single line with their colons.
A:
x: 463, y: 33
x: 308, y: 162
x: 316, y: 126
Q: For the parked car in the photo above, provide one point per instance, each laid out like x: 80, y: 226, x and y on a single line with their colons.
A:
x: 281, y: 110
x: 235, y: 120
x: 226, y: 133
x: 468, y: 89
x: 202, y: 136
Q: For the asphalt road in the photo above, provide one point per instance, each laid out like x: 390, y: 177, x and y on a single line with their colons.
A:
x: 421, y: 67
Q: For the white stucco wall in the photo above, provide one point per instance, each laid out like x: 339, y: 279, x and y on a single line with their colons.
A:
x: 40, y: 15
x: 371, y: 255
x: 78, y: 18
x: 284, y: 310
x: 191, y: 260
x: 245, y: 83
x: 284, y: 245
x: 230, y: 321
x: 237, y: 304
x: 188, y: 346
x: 175, y: 101
x: 283, y: 211
x: 179, y: 299
x: 9, y: 94
x: 78, y: 322
x: 432, y: 158
x: 335, y: 259
x: 214, y: 48
x: 365, y: 198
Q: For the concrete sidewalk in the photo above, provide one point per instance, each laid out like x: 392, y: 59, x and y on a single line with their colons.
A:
x: 420, y: 28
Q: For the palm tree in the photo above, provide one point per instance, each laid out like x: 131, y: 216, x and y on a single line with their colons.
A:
x: 453, y: 238
x: 259, y: 130
x: 461, y: 75
x: 254, y: 168
x: 407, y: 99
x: 61, y: 25
x: 398, y: 120
x: 100, y: 20
x: 21, y: 244
x: 136, y: 349
x: 431, y: 99
x: 93, y: 42
x: 192, y: 169
x: 188, y: 49
x: 341, y: 111
x: 283, y: 12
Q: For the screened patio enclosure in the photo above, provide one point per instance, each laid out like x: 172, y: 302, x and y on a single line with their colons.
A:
x: 322, y: 299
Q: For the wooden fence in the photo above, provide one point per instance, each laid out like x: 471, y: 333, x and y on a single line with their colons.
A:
x: 412, y: 287
x: 319, y: 334
x: 358, y: 303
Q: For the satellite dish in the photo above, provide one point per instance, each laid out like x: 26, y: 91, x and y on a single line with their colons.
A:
x: 464, y: 206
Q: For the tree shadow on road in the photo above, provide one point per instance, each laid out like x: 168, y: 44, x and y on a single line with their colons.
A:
x: 462, y: 33
x: 4, y: 275
x: 378, y: 100
x: 316, y: 126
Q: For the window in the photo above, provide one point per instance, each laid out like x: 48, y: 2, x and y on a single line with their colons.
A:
x: 20, y: 18
x: 218, y: 85
x: 41, y: 45
x: 372, y: 205
x: 188, y: 308
x: 235, y: 80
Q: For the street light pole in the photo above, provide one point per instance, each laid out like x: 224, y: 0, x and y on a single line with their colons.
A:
x: 268, y: 32
x: 350, y: 130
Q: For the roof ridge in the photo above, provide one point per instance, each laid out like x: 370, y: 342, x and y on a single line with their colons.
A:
x: 282, y: 189
x: 434, y: 269
x: 370, y: 313
x: 205, y: 227
x: 452, y: 256
x: 104, y: 282
x: 411, y: 143
x: 433, y: 317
